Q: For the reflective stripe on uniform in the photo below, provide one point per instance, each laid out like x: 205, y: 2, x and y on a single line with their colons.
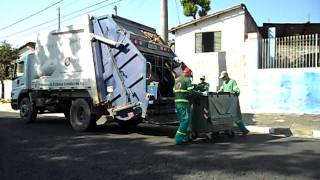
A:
x: 181, y: 100
x: 190, y: 88
x: 180, y: 90
x: 181, y: 133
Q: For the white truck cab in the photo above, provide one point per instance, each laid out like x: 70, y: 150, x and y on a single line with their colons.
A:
x: 21, y: 82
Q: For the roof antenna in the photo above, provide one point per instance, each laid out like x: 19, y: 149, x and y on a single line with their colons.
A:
x: 59, y: 21
x: 309, y: 17
x: 115, y: 8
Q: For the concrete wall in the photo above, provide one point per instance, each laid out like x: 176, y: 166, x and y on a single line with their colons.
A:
x: 7, y: 89
x: 286, y: 91
x: 210, y: 64
x: 279, y: 90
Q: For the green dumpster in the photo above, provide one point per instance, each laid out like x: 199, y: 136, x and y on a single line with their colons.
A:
x: 214, y: 113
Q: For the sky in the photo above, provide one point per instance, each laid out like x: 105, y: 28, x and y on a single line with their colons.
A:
x: 143, y: 11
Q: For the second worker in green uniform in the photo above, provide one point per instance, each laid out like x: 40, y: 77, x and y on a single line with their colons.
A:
x: 230, y: 85
x: 203, y: 86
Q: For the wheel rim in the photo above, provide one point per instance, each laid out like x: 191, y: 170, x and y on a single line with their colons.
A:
x: 24, y: 110
x: 80, y: 116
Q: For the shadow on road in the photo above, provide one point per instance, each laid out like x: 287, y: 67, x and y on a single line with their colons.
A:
x: 49, y: 149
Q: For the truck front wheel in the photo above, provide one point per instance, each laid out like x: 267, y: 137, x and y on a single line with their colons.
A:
x: 81, y: 116
x: 27, y: 113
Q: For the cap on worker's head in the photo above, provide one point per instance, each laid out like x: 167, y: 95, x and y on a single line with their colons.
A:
x: 223, y: 74
x: 187, y: 70
x: 177, y: 59
x: 203, y: 77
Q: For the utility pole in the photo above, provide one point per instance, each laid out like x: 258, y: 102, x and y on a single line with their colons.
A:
x: 58, y: 18
x: 164, y: 20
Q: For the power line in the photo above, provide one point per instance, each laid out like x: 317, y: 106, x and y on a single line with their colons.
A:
x: 85, y: 8
x: 71, y: 3
x: 52, y: 20
x: 28, y: 29
x: 109, y: 4
x: 10, y: 25
x: 65, y: 20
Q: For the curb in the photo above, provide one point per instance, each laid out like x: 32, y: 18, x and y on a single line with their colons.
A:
x: 272, y: 131
x: 316, y: 134
x: 6, y: 107
x: 279, y: 131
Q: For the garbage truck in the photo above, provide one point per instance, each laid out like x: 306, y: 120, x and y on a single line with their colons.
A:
x: 108, y: 66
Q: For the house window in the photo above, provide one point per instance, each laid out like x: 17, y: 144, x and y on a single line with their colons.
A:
x: 208, y: 42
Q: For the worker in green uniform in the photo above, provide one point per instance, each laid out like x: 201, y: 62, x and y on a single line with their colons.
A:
x: 230, y: 85
x: 182, y: 88
x: 203, y: 86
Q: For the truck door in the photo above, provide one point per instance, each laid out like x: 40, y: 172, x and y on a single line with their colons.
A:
x: 19, y: 79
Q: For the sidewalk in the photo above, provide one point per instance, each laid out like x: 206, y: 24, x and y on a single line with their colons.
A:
x: 6, y: 107
x: 306, y: 126
x: 300, y: 125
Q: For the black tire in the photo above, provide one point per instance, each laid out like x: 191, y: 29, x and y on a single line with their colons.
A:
x: 81, y: 116
x: 230, y: 133
x: 27, y: 113
x: 216, y: 133
x: 41, y: 110
x: 209, y: 137
x: 194, y: 135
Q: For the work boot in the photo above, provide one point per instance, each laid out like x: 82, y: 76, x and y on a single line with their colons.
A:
x: 242, y: 128
x: 245, y: 132
x: 181, y: 139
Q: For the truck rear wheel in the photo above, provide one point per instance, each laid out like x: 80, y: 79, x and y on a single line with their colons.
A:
x: 81, y: 116
x: 27, y: 113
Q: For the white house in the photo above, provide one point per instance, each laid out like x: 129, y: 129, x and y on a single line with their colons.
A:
x: 277, y: 66
x: 27, y: 48
x: 216, y: 42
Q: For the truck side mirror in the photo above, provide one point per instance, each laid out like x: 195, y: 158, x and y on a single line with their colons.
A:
x: 6, y: 71
x: 14, y: 74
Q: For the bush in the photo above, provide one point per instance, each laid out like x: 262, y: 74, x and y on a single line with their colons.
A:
x: 2, y: 101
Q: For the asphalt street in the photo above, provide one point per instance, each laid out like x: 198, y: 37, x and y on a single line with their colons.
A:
x: 49, y: 149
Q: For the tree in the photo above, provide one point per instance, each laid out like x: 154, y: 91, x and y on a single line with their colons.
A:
x: 192, y: 7
x: 7, y: 55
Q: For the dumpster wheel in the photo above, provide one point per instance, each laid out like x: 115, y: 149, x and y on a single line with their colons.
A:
x: 230, y: 133
x: 193, y: 135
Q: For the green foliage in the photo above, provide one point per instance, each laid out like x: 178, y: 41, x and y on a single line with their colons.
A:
x: 7, y: 55
x: 192, y: 7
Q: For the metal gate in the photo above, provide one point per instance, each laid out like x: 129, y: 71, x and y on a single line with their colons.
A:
x: 301, y: 51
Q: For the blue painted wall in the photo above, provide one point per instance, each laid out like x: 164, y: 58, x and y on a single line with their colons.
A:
x: 285, y: 91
